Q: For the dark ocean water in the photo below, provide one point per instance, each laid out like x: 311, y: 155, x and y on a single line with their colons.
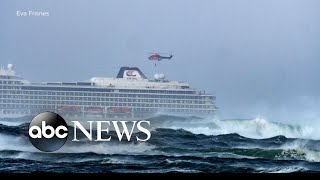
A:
x: 178, y: 144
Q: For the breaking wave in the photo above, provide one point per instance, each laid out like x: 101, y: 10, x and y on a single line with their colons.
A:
x: 257, y: 128
x: 177, y: 144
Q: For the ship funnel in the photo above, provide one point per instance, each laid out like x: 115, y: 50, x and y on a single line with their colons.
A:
x: 131, y: 72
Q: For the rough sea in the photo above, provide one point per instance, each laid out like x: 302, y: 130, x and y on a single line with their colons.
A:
x: 177, y: 144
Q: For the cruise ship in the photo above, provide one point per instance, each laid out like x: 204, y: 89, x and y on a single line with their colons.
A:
x: 128, y: 96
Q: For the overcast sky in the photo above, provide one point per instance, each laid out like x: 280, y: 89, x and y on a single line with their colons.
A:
x: 257, y: 57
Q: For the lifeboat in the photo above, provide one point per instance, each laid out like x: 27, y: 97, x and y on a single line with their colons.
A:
x: 119, y: 110
x: 94, y: 109
x: 69, y: 109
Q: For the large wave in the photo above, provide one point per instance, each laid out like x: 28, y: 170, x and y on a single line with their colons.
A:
x: 257, y: 128
x: 187, y: 136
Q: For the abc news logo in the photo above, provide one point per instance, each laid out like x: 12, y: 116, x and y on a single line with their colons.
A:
x: 48, y: 131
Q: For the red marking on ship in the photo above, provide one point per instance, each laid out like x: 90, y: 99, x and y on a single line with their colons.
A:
x: 130, y: 73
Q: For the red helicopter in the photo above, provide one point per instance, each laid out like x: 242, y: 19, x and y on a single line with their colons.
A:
x: 157, y: 57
